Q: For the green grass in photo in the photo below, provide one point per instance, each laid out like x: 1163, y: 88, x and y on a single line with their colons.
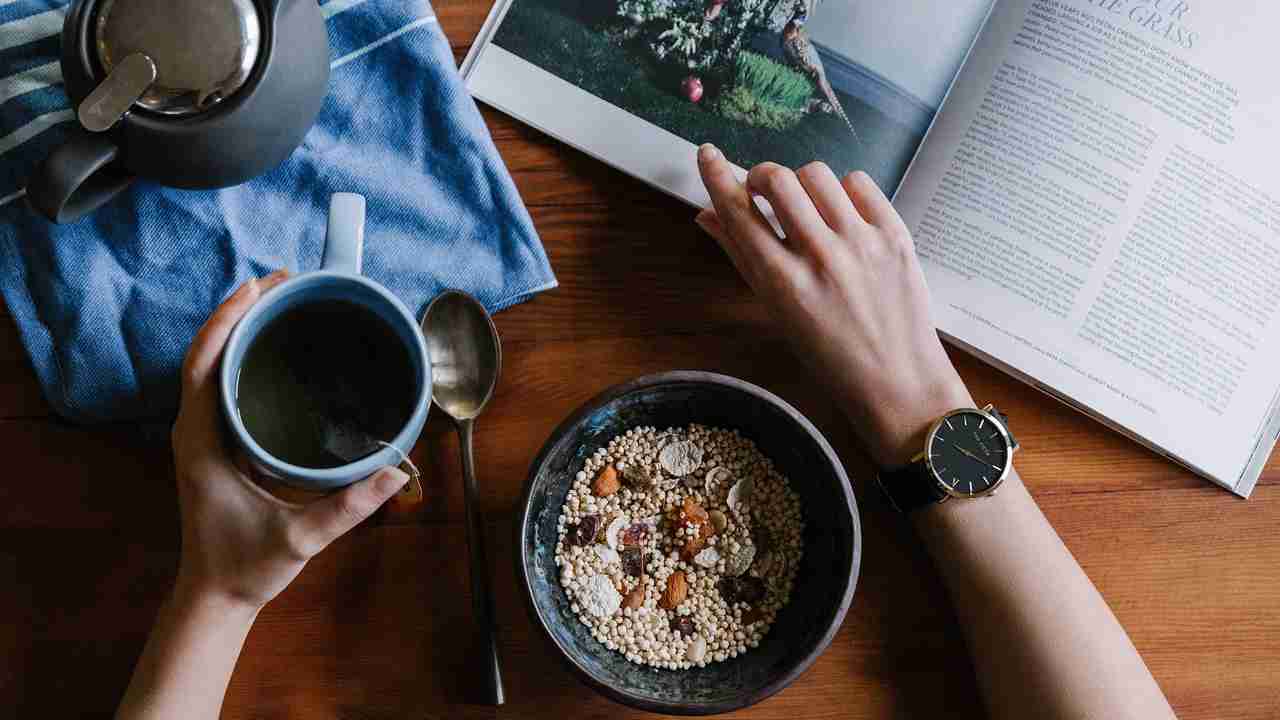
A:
x: 757, y: 119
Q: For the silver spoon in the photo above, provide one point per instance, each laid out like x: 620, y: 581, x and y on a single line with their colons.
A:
x: 466, y: 356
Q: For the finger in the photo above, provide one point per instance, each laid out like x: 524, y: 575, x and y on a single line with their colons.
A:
x: 199, y: 405
x: 800, y: 220
x: 207, y: 346
x: 828, y: 196
x: 324, y: 521
x: 871, y: 202
x: 748, y: 238
x: 710, y: 224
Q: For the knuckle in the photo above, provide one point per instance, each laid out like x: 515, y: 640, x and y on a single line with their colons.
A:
x: 814, y: 169
x: 297, y: 542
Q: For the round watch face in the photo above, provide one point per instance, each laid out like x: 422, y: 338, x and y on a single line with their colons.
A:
x: 969, y: 453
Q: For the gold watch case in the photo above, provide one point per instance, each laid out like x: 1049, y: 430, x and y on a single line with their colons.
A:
x: 924, y: 456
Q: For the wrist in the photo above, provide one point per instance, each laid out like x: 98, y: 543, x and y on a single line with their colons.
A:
x: 192, y: 596
x: 900, y: 423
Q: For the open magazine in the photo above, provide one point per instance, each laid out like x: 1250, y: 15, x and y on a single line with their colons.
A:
x: 1091, y: 184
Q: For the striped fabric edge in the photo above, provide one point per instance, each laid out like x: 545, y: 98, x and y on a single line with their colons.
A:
x: 40, y: 77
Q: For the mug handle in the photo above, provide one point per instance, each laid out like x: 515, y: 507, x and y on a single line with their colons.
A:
x: 76, y: 178
x: 344, y: 240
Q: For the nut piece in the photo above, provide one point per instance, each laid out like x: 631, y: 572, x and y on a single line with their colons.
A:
x: 740, y: 495
x: 601, y: 598
x: 612, y: 533
x: 677, y: 590
x: 697, y: 650
x: 606, y: 483
x: 680, y: 458
x: 718, y: 521
x: 718, y: 477
x: 707, y: 558
x: 607, y: 555
x: 635, y: 598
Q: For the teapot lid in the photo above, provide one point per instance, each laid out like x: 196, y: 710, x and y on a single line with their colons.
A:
x: 203, y: 50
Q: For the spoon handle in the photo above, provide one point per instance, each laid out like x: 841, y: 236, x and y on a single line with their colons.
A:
x: 481, y: 594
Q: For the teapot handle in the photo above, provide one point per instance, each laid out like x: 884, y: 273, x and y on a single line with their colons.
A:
x: 76, y: 178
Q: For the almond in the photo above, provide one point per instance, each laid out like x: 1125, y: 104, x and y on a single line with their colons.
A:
x: 606, y: 482
x: 677, y: 590
x: 635, y: 598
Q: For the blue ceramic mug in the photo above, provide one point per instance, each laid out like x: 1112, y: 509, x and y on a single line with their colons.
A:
x: 338, y: 279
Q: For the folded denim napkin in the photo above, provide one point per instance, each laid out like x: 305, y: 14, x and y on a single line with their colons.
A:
x: 107, y: 306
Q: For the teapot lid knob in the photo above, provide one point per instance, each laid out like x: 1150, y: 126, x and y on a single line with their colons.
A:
x: 204, y: 50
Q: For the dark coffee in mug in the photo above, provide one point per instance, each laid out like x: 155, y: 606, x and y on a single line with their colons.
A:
x: 325, y: 383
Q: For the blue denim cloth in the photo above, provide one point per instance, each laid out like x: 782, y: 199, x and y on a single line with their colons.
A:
x: 107, y: 306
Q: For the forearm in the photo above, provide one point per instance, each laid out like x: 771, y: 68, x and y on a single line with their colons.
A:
x: 1044, y: 642
x: 187, y: 662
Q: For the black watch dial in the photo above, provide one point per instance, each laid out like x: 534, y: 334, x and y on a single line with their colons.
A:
x: 969, y: 453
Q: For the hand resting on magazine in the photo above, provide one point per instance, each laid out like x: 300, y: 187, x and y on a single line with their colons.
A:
x: 846, y: 284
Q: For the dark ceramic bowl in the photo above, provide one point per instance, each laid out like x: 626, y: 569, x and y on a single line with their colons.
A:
x: 825, y: 582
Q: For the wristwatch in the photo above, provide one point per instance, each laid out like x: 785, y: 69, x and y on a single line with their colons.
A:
x: 967, y: 454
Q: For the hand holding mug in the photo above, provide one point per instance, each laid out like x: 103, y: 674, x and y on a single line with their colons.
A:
x: 239, y: 542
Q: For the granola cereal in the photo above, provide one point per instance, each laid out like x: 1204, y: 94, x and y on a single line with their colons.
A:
x: 689, y: 558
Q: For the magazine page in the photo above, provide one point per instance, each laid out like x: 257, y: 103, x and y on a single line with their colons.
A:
x: 639, y: 83
x: 1098, y: 207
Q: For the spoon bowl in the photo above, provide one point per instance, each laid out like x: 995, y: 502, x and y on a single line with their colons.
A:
x: 465, y: 352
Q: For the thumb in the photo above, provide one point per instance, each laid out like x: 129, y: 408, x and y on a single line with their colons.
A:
x: 329, y: 519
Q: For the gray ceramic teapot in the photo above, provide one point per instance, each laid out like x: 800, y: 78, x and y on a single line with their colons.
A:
x: 186, y: 93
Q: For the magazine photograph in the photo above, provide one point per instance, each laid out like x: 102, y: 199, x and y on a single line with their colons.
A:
x: 783, y: 80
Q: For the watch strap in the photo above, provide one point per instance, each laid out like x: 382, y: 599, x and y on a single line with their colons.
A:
x: 910, y: 487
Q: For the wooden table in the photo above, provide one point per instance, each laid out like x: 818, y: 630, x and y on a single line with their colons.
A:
x: 374, y: 627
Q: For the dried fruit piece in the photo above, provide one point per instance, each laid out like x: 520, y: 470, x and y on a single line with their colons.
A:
x: 718, y: 521
x: 584, y: 533
x: 692, y: 547
x: 600, y: 598
x: 635, y: 534
x: 729, y: 589
x: 680, y: 458
x: 682, y: 624
x: 676, y: 592
x: 740, y: 495
x: 633, y: 561
x: 706, y: 530
x: 606, y: 483
x: 762, y: 537
x: 635, y: 598
x: 614, y: 531
x: 751, y: 589
x: 752, y: 616
x: 638, y: 476
x: 764, y: 563
x: 697, y: 650
x: 691, y: 511
x: 707, y: 558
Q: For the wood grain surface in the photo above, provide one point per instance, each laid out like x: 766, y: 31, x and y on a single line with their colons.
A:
x: 376, y: 627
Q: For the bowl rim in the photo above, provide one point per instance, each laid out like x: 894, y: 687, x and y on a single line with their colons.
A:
x: 682, y: 377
